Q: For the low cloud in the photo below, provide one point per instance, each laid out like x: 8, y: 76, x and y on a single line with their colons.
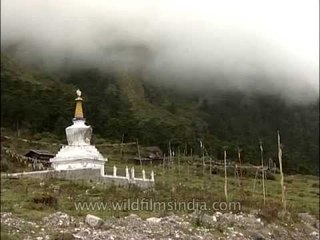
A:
x: 251, y: 46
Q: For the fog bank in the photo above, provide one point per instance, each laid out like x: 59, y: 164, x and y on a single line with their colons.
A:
x: 252, y: 46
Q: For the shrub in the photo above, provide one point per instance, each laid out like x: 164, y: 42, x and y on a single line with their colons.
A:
x: 45, y: 199
x: 270, y: 176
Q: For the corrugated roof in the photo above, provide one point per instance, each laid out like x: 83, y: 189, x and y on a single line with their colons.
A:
x: 40, y: 152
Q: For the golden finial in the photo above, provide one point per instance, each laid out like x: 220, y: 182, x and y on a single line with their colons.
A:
x: 78, y: 114
x: 78, y: 92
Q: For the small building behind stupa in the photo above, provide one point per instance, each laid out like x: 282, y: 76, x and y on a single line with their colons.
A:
x: 79, y: 153
x: 79, y: 160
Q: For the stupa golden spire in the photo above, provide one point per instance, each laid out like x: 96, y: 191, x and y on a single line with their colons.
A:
x: 78, y: 113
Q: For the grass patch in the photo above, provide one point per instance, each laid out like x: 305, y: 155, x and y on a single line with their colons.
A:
x: 6, y: 235
x: 26, y: 198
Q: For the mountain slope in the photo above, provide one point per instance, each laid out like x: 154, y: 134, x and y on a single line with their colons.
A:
x: 124, y: 103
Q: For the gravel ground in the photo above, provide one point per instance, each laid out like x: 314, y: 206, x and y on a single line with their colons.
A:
x: 238, y: 226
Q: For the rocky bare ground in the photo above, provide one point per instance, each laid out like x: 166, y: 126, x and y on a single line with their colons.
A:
x: 239, y: 226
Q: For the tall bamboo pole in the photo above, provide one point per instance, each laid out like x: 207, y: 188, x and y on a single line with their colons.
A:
x: 283, y: 200
x: 170, y: 152
x: 240, y: 165
x: 179, y: 161
x: 236, y: 175
x: 262, y: 169
x: 225, y: 174
x: 139, y: 153
x: 210, y: 159
x: 203, y: 163
x: 188, y: 169
x: 185, y: 152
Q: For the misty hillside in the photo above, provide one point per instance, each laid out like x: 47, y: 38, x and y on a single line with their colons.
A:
x: 127, y: 103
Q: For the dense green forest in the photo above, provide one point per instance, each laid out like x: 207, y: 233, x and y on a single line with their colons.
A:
x: 122, y: 103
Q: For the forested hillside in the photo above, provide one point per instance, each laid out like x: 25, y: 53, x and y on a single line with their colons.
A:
x: 124, y: 103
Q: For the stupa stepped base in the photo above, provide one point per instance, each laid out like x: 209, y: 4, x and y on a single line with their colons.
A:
x: 72, y: 157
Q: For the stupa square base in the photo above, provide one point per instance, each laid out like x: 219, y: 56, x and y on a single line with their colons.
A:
x: 78, y: 157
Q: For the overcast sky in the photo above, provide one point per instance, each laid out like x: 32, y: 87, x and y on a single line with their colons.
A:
x: 249, y: 45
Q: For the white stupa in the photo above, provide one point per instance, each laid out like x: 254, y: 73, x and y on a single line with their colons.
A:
x: 78, y: 154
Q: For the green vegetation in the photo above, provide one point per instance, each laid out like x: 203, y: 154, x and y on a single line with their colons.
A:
x: 176, y: 182
x: 34, y: 199
x: 24, y: 197
x: 125, y: 104
x: 5, y: 233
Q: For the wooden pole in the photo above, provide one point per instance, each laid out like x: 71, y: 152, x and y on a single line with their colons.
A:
x: 269, y: 164
x: 169, y: 150
x: 173, y: 157
x: 236, y: 174
x: 240, y: 166
x: 210, y: 159
x: 283, y: 200
x: 225, y: 175
x: 203, y: 162
x: 262, y: 169
x: 188, y: 168
x: 191, y: 156
x: 139, y: 153
x: 179, y: 161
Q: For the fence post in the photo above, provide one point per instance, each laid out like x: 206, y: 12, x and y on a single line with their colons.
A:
x: 127, y: 172
x: 143, y: 174
x: 132, y: 173
x: 114, y: 171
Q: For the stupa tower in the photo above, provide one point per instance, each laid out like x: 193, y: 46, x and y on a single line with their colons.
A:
x: 78, y: 113
x: 79, y: 153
